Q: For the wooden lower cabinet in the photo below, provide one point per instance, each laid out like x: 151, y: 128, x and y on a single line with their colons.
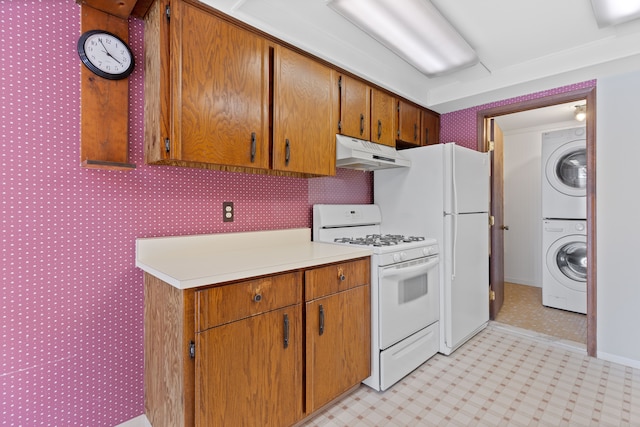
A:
x: 338, y: 345
x: 250, y: 353
x: 245, y: 373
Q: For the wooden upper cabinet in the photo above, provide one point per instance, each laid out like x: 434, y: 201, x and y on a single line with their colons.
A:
x: 355, y: 108
x: 383, y: 113
x: 213, y: 98
x: 430, y: 128
x: 303, y: 131
x: 409, y: 126
x: 224, y: 92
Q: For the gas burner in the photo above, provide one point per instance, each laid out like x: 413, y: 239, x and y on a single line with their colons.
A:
x: 379, y: 240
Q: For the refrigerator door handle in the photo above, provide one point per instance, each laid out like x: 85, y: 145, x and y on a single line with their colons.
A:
x: 453, y: 246
x: 454, y: 184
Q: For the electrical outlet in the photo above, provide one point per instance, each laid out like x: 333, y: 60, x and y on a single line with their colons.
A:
x: 227, y: 211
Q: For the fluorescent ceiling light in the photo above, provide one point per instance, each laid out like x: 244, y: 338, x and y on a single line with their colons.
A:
x: 413, y: 29
x: 614, y: 12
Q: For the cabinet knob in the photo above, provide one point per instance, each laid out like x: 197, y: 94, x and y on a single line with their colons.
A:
x: 341, y: 274
x: 257, y: 298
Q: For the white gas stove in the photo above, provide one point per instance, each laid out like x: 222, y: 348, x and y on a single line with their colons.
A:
x: 404, y: 288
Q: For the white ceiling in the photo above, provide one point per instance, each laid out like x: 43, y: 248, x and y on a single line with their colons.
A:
x: 540, y: 117
x: 524, y: 46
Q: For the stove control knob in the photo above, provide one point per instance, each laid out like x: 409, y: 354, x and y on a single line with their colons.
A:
x: 396, y: 258
x: 403, y: 255
x: 427, y: 251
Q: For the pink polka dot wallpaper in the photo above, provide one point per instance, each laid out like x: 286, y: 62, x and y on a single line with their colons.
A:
x: 460, y: 126
x: 71, y: 303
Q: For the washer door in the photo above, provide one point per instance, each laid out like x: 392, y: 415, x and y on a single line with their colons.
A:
x: 566, y: 168
x: 567, y: 262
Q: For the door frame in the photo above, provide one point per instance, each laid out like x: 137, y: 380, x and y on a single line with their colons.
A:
x: 588, y: 94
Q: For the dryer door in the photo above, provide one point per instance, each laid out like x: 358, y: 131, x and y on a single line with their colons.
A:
x: 567, y: 261
x: 566, y: 168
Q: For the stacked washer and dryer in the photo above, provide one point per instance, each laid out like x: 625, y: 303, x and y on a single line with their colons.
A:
x: 564, y: 225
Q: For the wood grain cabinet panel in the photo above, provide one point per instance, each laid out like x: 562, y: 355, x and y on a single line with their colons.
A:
x: 303, y: 134
x: 430, y: 128
x: 223, y: 304
x: 383, y: 122
x: 355, y: 108
x: 334, y: 278
x: 409, y: 124
x: 338, y: 337
x: 207, y: 85
x: 246, y: 375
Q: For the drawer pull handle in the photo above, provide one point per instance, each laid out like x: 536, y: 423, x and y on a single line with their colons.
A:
x: 257, y: 298
x: 286, y: 331
x: 321, y: 327
x: 341, y: 274
x: 361, y: 124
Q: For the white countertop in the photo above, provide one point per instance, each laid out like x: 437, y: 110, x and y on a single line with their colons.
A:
x: 198, y: 260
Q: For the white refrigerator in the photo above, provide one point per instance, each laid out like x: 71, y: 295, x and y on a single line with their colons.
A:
x: 445, y: 194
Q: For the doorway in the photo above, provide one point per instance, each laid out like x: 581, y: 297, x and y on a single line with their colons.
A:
x: 487, y: 132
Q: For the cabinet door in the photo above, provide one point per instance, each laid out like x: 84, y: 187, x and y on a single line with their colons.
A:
x: 383, y: 112
x: 409, y: 125
x: 338, y: 344
x: 220, y: 81
x: 355, y: 108
x: 430, y: 128
x: 245, y: 373
x: 303, y: 136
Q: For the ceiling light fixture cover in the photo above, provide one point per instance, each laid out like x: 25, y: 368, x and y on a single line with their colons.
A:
x: 580, y: 113
x: 614, y: 12
x: 414, y: 30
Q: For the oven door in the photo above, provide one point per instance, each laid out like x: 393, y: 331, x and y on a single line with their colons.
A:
x: 408, y: 298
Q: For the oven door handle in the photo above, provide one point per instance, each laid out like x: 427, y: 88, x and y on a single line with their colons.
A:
x: 412, y: 271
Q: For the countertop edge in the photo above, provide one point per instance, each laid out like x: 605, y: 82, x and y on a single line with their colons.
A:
x: 194, y: 261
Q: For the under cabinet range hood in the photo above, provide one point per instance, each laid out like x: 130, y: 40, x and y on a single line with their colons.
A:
x: 353, y: 153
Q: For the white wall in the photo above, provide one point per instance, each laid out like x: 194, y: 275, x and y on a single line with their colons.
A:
x: 618, y: 217
x: 522, y: 203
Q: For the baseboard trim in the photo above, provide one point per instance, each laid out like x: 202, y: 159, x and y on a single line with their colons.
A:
x: 632, y: 363
x: 139, y: 421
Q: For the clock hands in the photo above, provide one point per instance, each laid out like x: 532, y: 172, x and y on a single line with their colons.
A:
x: 109, y: 53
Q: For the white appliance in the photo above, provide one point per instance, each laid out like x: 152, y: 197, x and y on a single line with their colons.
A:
x: 353, y: 153
x: 404, y: 289
x: 564, y: 174
x: 564, y: 275
x: 445, y: 194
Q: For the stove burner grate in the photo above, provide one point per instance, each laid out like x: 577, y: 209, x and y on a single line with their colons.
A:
x: 379, y: 239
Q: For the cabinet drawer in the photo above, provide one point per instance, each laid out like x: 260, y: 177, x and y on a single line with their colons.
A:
x: 223, y: 304
x: 337, y: 277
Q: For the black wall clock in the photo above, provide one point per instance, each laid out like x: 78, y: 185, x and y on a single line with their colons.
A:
x: 106, y: 54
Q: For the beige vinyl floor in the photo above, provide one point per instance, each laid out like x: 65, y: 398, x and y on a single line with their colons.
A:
x: 527, y: 368
x: 523, y: 309
x: 501, y: 377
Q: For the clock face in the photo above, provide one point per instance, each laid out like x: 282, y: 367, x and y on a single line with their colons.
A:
x: 105, y: 54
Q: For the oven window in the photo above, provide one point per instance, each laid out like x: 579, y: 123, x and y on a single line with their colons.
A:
x: 412, y: 289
